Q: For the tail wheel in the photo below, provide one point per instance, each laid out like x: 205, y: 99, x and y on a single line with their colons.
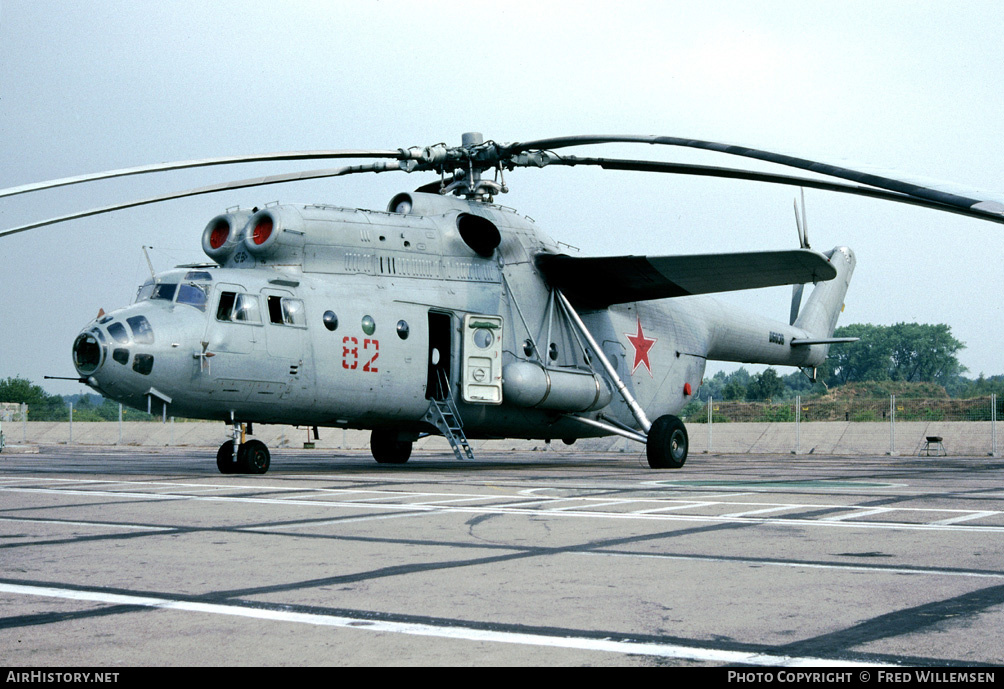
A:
x: 667, y: 443
x: 388, y: 449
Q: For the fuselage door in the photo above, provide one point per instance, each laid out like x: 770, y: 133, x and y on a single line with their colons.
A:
x: 481, y: 370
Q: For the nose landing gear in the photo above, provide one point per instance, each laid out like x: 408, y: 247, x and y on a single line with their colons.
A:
x: 242, y: 457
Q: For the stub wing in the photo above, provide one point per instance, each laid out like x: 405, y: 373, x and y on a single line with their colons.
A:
x: 600, y: 282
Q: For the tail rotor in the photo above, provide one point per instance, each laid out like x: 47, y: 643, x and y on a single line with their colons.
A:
x: 803, y: 241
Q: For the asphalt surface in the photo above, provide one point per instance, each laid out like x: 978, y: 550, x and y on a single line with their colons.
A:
x: 131, y: 557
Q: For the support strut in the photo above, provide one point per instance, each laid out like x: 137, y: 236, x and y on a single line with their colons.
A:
x: 636, y: 410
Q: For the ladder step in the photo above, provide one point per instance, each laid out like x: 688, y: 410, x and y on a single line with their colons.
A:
x: 439, y: 413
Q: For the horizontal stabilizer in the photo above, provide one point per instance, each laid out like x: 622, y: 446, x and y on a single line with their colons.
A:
x: 822, y: 340
x: 600, y: 282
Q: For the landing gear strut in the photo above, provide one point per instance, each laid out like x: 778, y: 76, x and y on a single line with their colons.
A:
x: 236, y: 457
x: 667, y: 443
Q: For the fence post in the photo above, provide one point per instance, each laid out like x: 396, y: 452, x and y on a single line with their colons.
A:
x: 798, y: 420
x: 892, y: 425
x: 993, y: 425
x: 711, y: 404
x: 71, y: 423
x: 24, y: 423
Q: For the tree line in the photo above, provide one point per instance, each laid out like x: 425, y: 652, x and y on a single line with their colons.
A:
x: 905, y: 352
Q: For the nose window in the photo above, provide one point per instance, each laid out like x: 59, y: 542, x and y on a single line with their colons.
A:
x: 141, y: 330
x: 118, y: 333
x: 86, y: 354
x: 143, y: 363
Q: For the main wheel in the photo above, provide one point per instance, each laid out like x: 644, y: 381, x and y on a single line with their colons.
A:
x: 254, y: 458
x: 388, y: 449
x: 225, y: 459
x: 667, y: 443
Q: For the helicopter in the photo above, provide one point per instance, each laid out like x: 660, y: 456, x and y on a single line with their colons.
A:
x: 447, y: 313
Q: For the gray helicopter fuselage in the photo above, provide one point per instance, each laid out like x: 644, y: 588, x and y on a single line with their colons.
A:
x: 323, y: 316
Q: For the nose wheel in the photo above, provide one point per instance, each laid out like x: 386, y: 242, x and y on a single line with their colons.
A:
x: 252, y: 457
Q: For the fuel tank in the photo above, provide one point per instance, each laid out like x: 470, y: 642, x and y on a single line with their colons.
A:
x: 528, y: 384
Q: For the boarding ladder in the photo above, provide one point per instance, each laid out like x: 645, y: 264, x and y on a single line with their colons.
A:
x: 443, y: 415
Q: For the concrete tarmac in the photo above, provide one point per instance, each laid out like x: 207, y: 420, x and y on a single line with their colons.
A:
x: 123, y: 557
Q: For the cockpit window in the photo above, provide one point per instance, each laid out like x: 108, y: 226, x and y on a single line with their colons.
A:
x: 142, y: 333
x: 164, y: 290
x: 145, y: 290
x: 194, y: 295
x: 200, y: 275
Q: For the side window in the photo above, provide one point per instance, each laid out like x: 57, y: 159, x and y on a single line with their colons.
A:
x: 246, y: 309
x: 285, y: 311
x: 226, y: 306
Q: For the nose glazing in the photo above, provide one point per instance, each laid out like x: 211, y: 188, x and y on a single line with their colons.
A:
x: 88, y: 352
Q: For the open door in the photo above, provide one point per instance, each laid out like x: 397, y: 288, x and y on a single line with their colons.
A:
x: 440, y: 346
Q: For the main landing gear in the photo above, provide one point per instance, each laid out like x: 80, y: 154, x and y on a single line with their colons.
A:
x: 249, y: 457
x: 667, y: 443
x: 388, y: 448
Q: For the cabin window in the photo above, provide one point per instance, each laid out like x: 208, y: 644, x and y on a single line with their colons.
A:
x: 246, y: 309
x: 330, y: 320
x: 226, y: 306
x: 403, y: 330
x: 121, y: 355
x: 142, y: 333
x: 240, y: 308
x: 286, y: 311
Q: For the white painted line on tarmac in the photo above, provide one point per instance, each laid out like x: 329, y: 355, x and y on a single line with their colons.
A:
x: 98, y: 525
x: 882, y: 569
x: 858, y: 513
x: 593, y: 505
x: 966, y: 517
x: 767, y: 510
x: 458, y: 632
x: 685, y: 506
x: 851, y: 520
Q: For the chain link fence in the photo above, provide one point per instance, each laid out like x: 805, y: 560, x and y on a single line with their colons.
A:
x: 851, y: 426
x: 960, y: 427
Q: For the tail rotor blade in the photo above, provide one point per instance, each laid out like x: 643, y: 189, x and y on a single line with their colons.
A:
x: 796, y: 302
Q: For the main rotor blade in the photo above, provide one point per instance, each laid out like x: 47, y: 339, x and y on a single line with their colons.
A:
x: 944, y: 200
x: 773, y: 178
x: 212, y: 189
x: 207, y: 162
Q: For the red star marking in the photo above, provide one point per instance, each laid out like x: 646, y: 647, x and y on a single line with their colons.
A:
x: 641, y: 345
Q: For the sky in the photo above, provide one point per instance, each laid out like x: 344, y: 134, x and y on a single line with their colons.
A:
x: 912, y: 87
